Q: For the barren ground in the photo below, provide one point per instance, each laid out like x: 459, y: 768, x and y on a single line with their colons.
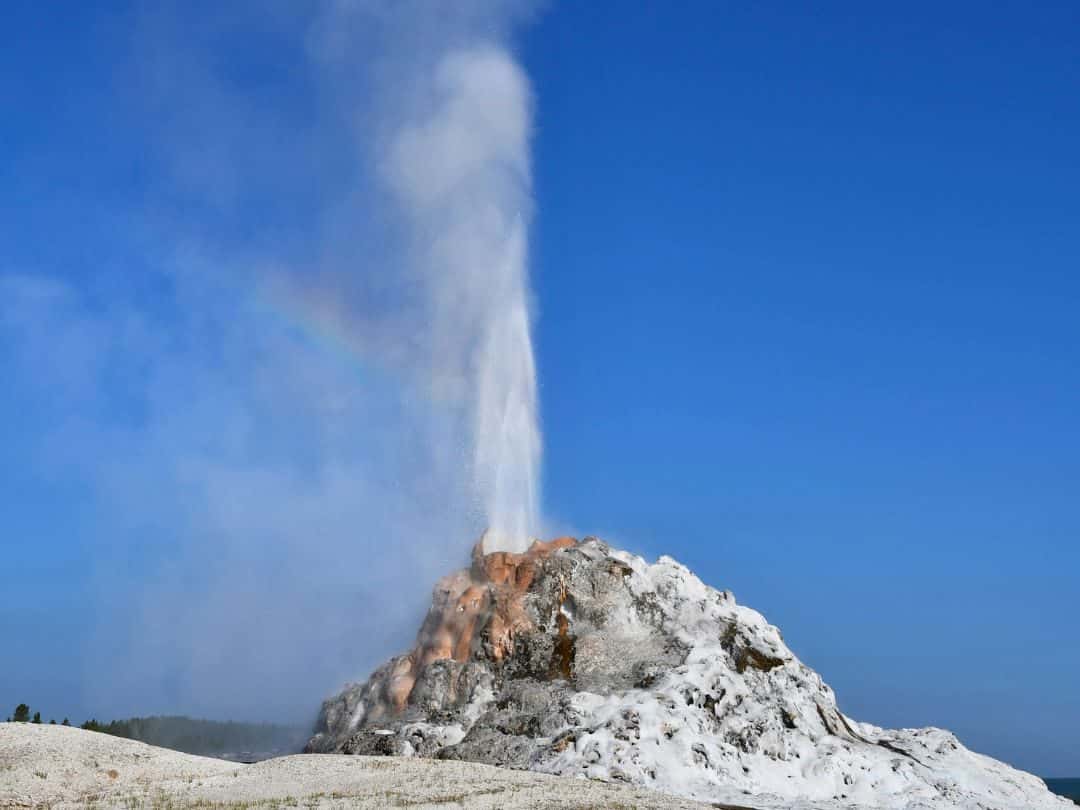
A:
x: 61, y: 767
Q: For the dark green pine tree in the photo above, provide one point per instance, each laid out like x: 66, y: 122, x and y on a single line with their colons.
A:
x: 37, y: 718
x: 22, y: 713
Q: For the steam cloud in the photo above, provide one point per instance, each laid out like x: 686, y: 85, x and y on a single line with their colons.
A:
x: 461, y: 176
x: 299, y: 379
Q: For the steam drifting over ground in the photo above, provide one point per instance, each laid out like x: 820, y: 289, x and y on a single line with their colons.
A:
x: 317, y: 328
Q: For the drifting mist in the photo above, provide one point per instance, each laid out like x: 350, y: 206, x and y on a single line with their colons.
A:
x: 305, y: 383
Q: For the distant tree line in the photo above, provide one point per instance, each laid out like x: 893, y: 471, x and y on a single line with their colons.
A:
x: 189, y: 735
x: 22, y: 715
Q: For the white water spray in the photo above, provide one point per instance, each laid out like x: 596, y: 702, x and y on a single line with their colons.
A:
x: 324, y: 408
x: 460, y: 172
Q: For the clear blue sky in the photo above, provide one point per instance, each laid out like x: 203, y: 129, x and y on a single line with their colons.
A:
x: 807, y: 284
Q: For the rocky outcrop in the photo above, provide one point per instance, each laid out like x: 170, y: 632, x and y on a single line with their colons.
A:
x: 579, y: 659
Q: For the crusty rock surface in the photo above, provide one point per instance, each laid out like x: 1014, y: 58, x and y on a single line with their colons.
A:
x: 57, y: 767
x: 579, y: 659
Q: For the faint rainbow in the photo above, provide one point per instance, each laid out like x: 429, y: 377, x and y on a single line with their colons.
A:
x: 313, y: 323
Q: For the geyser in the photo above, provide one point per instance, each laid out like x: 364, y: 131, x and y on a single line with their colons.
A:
x: 578, y: 659
x: 460, y: 173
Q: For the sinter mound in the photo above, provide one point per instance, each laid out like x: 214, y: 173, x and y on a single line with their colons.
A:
x: 579, y: 659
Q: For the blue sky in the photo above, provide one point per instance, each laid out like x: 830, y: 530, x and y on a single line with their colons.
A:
x: 807, y: 285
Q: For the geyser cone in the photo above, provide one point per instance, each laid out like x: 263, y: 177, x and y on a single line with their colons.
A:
x: 579, y: 659
x: 475, y: 612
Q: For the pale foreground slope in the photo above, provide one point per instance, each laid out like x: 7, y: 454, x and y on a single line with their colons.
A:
x: 60, y: 767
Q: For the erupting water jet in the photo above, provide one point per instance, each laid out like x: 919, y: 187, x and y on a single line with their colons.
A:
x: 462, y: 179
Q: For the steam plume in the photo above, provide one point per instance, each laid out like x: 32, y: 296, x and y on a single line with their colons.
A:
x: 307, y: 384
x: 461, y: 176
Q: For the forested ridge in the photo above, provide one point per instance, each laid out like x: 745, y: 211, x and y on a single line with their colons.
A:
x: 191, y: 735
